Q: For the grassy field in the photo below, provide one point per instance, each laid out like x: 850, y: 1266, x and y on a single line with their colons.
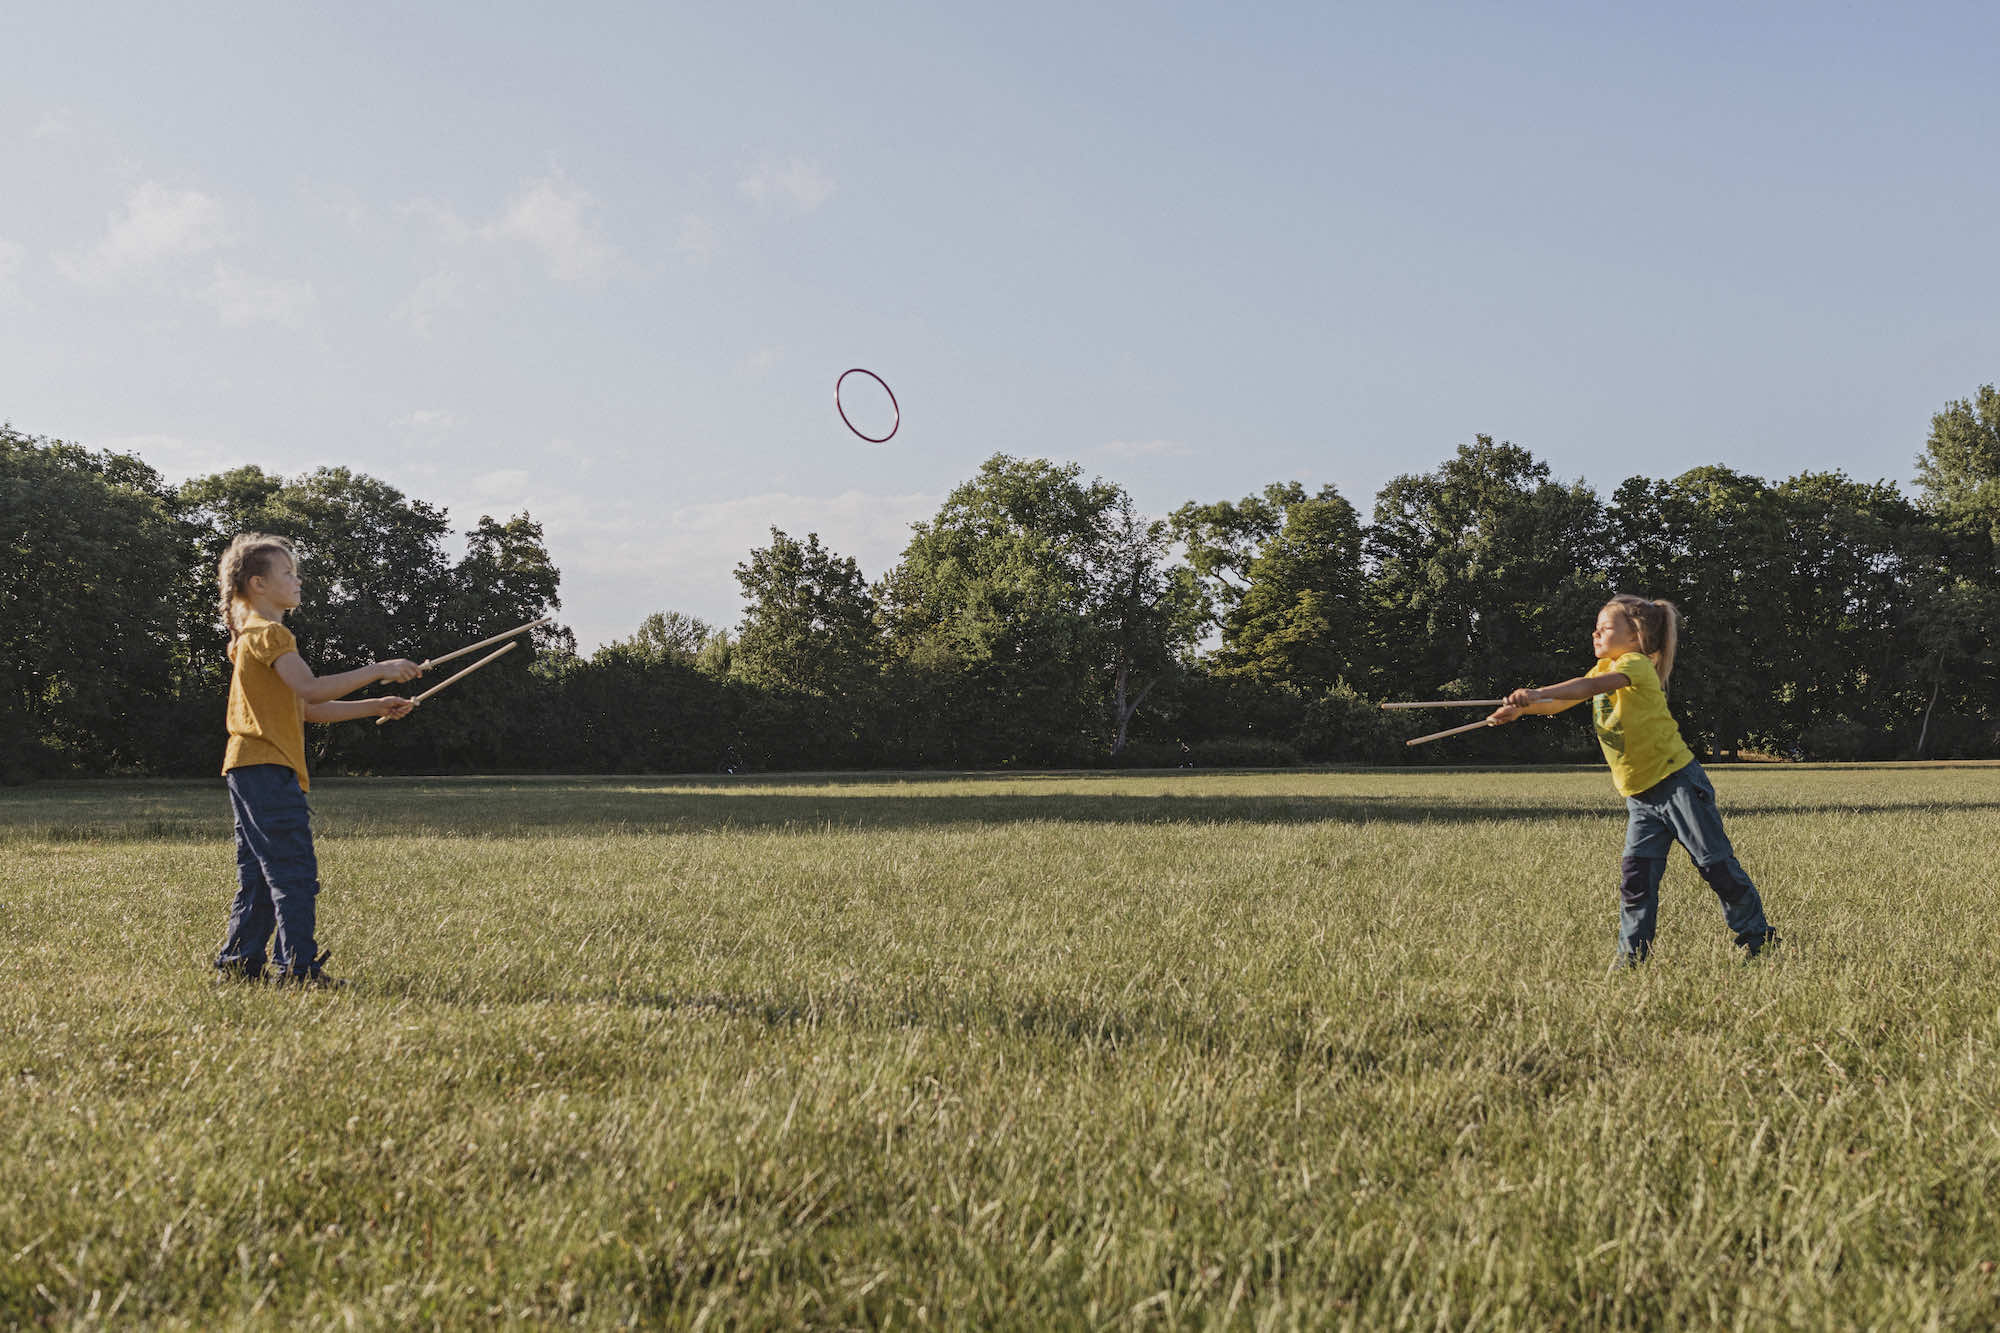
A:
x: 1259, y: 1050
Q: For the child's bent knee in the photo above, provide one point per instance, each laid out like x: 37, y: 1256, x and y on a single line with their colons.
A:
x: 1727, y: 879
x: 1639, y: 878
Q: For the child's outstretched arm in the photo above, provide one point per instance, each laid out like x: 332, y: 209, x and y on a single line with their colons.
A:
x: 352, y: 710
x: 292, y: 669
x: 1556, y: 698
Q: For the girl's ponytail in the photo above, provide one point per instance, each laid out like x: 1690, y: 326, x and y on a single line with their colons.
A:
x: 1669, y: 640
x: 1657, y: 624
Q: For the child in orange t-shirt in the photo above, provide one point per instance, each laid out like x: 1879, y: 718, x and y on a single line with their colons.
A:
x: 272, y: 695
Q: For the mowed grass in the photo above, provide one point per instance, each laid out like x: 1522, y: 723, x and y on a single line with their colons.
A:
x: 1261, y: 1050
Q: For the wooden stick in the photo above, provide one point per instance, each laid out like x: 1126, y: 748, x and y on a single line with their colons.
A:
x: 485, y: 643
x: 1450, y: 703
x: 1440, y: 735
x: 498, y: 652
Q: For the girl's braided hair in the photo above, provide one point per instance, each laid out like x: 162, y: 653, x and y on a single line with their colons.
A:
x: 1657, y: 625
x: 249, y: 555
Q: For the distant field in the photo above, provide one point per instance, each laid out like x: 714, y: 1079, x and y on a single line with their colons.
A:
x: 1266, y: 1050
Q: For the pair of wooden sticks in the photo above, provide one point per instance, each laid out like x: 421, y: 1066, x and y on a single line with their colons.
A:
x: 472, y: 648
x: 1449, y: 703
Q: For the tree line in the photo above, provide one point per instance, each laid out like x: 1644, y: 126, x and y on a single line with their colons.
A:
x: 1037, y: 619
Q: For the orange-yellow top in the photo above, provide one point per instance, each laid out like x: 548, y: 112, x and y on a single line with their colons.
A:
x: 267, y: 721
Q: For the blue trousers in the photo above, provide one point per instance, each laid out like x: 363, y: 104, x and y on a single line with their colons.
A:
x: 1681, y: 808
x: 277, y: 875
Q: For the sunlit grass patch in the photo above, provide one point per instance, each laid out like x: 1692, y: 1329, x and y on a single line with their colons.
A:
x: 1312, y: 1049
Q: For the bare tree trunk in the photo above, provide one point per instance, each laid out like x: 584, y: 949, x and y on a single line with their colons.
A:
x: 1924, y: 731
x: 1120, y: 711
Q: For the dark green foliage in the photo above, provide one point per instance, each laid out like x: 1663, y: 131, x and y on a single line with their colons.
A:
x: 1959, y: 469
x: 88, y: 631
x: 1712, y: 541
x: 1038, y: 620
x: 1032, y: 617
x: 1487, y: 575
x: 378, y: 584
x: 1342, y: 726
x: 1284, y: 580
x: 666, y: 636
x: 1959, y: 473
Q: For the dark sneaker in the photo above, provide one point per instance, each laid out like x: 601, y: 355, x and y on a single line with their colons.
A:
x: 1757, y: 944
x: 238, y: 970
x: 313, y: 978
x: 317, y: 979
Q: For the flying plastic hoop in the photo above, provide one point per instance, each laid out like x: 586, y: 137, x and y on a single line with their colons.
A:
x: 897, y: 407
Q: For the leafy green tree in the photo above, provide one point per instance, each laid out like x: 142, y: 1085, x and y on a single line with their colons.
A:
x: 1957, y: 664
x: 1012, y: 611
x: 1486, y: 574
x: 379, y: 583
x: 665, y: 636
x: 1713, y: 542
x: 1152, y: 614
x: 1285, y: 572
x: 505, y: 578
x: 808, y: 620
x: 1959, y: 469
x: 87, y: 611
x: 1959, y: 478
x: 810, y: 643
x: 373, y: 561
x: 1858, y: 560
x: 717, y: 654
x: 1223, y: 538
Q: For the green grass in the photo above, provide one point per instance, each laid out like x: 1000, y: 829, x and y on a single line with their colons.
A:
x: 1257, y: 1050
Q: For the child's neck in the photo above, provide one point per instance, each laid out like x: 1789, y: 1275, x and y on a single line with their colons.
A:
x: 263, y: 607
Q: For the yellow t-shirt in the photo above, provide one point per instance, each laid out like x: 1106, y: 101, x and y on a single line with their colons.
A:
x: 267, y: 722
x: 1641, y: 740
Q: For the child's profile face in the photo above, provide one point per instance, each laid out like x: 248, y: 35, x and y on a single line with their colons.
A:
x: 280, y: 584
x: 1614, y: 636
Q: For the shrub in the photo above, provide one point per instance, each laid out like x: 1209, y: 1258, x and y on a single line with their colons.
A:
x: 1341, y: 726
x: 1245, y: 753
x: 1839, y: 740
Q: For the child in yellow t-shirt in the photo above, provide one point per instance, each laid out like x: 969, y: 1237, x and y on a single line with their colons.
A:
x: 1668, y: 798
x: 272, y: 695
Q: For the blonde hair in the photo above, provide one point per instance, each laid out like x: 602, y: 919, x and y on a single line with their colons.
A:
x: 1657, y: 626
x: 249, y: 555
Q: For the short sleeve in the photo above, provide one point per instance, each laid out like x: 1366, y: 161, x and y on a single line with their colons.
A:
x: 266, y: 643
x: 1638, y: 668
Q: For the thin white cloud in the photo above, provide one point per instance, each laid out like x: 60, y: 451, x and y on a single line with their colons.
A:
x: 873, y: 529
x: 52, y: 125
x: 573, y: 455
x: 1146, y: 449
x: 762, y: 361
x: 798, y: 183
x: 555, y: 217
x: 12, y: 257
x: 340, y: 201
x: 429, y: 418
x: 448, y: 225
x: 698, y: 239
x: 441, y: 291
x: 242, y: 299
x: 507, y: 487
x: 157, y: 223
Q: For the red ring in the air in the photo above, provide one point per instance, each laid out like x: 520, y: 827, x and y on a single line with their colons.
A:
x: 885, y: 389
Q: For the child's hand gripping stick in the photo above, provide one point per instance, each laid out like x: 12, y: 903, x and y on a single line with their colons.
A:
x: 501, y: 652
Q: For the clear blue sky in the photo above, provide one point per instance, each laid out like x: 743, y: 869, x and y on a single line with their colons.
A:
x: 603, y: 262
